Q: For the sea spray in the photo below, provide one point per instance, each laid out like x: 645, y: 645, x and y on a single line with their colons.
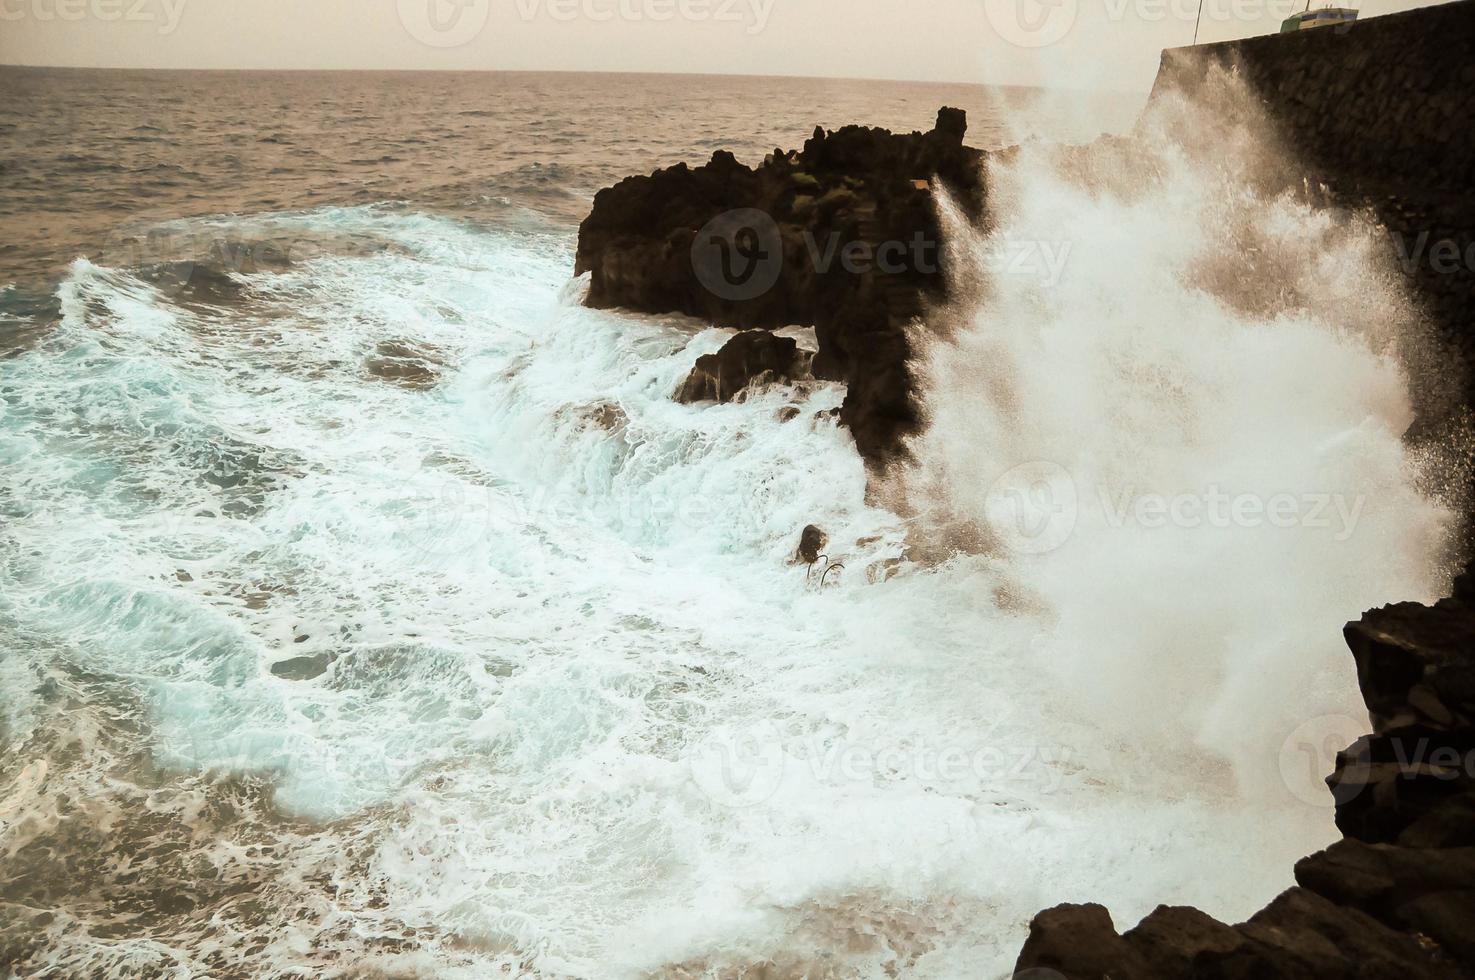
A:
x: 1187, y: 452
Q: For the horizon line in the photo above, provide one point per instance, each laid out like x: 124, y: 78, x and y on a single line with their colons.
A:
x: 577, y: 71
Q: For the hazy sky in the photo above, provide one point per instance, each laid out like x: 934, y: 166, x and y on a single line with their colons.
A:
x: 1060, y: 43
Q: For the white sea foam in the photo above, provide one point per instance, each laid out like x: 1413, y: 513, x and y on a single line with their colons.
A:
x: 578, y: 714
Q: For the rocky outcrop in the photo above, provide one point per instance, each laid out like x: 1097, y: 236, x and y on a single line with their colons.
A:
x: 1396, y: 897
x: 749, y: 360
x: 842, y: 235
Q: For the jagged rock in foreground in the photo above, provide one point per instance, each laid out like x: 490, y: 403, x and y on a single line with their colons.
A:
x: 842, y: 235
x: 1396, y: 897
x: 750, y: 359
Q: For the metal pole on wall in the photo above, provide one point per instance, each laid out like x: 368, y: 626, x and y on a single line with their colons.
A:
x: 1201, y: 17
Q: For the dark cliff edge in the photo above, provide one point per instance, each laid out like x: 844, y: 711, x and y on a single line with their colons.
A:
x: 842, y: 235
x: 1380, y: 113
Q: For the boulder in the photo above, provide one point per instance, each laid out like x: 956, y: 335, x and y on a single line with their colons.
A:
x: 1299, y: 936
x: 1078, y: 942
x: 1415, y: 664
x: 749, y: 360
x: 1385, y: 785
x: 812, y: 542
x: 1430, y: 892
x: 404, y: 364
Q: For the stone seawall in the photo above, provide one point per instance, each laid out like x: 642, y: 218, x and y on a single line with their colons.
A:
x: 1388, y: 99
x: 1381, y: 112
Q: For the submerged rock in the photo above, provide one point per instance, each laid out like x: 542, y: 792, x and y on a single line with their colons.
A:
x: 606, y: 415
x: 812, y: 541
x: 303, y: 668
x: 404, y: 364
x: 749, y: 360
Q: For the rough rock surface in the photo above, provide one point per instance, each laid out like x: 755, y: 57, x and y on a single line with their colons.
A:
x: 749, y: 360
x: 1396, y: 897
x: 812, y: 541
x: 842, y: 235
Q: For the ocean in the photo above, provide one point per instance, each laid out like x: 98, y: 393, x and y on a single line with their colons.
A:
x: 369, y: 608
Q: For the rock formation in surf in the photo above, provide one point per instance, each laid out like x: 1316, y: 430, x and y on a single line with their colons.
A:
x: 765, y: 247
x: 749, y: 359
x: 843, y: 235
x: 1396, y: 897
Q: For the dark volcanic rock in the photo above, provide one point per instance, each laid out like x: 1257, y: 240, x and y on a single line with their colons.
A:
x: 1414, y: 666
x: 1390, y: 785
x: 811, y: 542
x: 750, y: 359
x: 1430, y: 892
x: 1396, y: 898
x: 1078, y: 941
x: 842, y: 235
x: 1299, y: 936
x: 303, y: 668
x: 1406, y: 781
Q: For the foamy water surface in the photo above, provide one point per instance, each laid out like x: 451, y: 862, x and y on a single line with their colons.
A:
x: 498, y: 664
